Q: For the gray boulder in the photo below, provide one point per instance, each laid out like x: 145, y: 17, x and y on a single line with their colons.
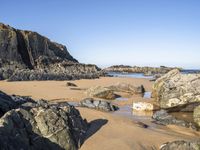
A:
x: 98, y: 104
x: 100, y: 92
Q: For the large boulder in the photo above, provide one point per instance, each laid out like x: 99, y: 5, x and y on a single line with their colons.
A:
x: 27, y: 55
x: 42, y: 126
x: 181, y: 145
x: 98, y: 104
x: 128, y: 88
x: 100, y: 92
x: 176, y: 89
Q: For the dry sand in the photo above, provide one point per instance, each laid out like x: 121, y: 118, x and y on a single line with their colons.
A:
x: 108, y: 130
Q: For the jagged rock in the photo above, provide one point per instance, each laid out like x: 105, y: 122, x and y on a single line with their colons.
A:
x: 11, y: 102
x: 98, y: 104
x: 71, y: 84
x: 100, y: 92
x: 136, y: 69
x: 42, y: 126
x: 164, y: 118
x: 196, y: 115
x: 27, y: 55
x: 125, y: 87
x: 144, y: 106
x: 174, y: 89
x: 181, y: 145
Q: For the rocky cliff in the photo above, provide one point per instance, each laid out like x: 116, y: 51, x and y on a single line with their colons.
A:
x: 27, y: 55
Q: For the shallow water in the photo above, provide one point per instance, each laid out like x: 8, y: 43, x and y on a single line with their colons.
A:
x: 147, y: 95
x: 121, y: 99
x: 130, y: 75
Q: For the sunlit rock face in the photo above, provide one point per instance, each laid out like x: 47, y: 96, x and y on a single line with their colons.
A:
x: 176, y: 89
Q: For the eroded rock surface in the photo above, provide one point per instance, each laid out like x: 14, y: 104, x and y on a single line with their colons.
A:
x: 38, y: 125
x: 174, y: 89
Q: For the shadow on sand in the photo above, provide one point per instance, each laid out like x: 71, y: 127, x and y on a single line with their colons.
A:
x: 94, y: 126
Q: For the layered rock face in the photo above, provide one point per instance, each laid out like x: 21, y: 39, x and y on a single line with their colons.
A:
x: 176, y: 89
x: 135, y: 69
x: 26, y: 55
x: 39, y: 125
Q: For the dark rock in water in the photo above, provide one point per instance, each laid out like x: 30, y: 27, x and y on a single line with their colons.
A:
x: 181, y: 145
x: 176, y: 89
x: 39, y: 125
x: 26, y: 55
x: 128, y: 88
x: 98, y: 104
x: 164, y: 118
x: 71, y: 84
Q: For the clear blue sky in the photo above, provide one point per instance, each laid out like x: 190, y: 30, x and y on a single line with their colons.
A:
x: 106, y: 32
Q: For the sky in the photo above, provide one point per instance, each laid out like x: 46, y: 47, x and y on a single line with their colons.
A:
x: 111, y: 32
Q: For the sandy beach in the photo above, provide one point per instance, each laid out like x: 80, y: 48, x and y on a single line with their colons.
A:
x: 107, y: 130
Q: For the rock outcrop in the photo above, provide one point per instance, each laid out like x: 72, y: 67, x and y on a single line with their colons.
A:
x: 176, y: 89
x: 135, y: 69
x: 27, y: 55
x: 181, y: 145
x: 98, y: 104
x: 39, y: 125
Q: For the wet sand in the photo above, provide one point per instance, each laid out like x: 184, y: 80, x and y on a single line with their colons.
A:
x: 108, y: 130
